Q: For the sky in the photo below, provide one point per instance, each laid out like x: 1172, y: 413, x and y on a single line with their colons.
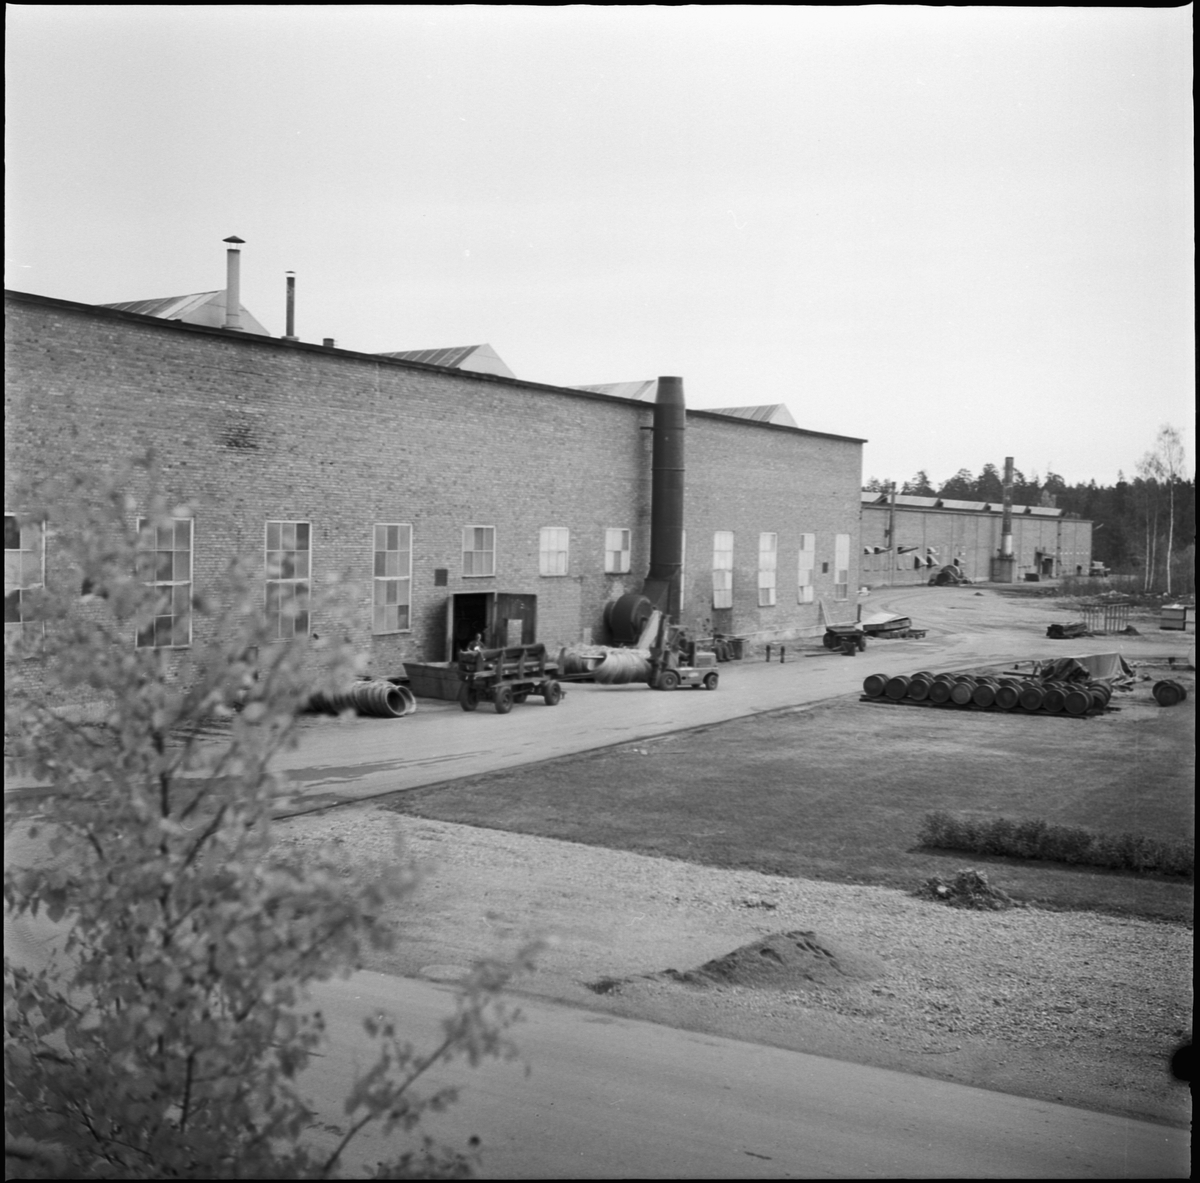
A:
x: 958, y: 233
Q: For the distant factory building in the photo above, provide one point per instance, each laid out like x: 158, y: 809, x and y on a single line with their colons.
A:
x: 908, y: 539
x: 456, y: 497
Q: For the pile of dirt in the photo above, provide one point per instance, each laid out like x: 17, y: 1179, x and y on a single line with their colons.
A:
x: 968, y: 889
x: 781, y: 961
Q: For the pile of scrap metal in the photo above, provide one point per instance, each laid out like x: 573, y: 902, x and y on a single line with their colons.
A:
x: 1060, y: 632
x: 948, y: 576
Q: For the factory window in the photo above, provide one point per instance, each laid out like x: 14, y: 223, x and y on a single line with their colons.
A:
x: 722, y: 575
x: 841, y: 566
x: 553, y: 544
x: 289, y: 567
x: 24, y: 570
x: 479, y: 550
x: 768, y: 545
x: 164, y: 559
x: 617, y: 548
x: 393, y: 578
x: 804, y: 576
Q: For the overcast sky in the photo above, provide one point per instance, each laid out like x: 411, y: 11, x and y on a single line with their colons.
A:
x: 961, y: 233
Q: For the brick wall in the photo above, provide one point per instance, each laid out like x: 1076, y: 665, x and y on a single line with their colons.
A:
x: 248, y: 429
x: 975, y: 539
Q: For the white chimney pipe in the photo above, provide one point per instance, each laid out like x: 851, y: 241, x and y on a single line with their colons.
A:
x: 233, y: 284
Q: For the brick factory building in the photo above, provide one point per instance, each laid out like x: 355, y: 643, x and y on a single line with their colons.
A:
x: 908, y: 539
x: 455, y: 499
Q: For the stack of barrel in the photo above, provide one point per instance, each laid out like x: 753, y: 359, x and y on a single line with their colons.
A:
x: 991, y: 693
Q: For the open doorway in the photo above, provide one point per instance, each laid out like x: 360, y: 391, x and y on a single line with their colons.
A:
x: 503, y: 618
x: 468, y: 616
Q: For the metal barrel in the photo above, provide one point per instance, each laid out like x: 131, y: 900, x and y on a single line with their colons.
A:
x: 1030, y: 696
x: 1053, y: 697
x: 1077, y: 701
x: 1102, y: 688
x: 961, y: 691
x: 896, y: 687
x: 1169, y: 692
x: 918, y: 687
x: 873, y: 685
x: 984, y: 695
x: 1007, y: 696
x: 940, y: 691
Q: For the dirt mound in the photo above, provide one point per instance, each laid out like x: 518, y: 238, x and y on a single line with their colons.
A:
x: 783, y: 960
x: 968, y: 889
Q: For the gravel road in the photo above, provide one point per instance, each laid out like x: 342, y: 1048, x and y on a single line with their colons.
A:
x: 1075, y: 1007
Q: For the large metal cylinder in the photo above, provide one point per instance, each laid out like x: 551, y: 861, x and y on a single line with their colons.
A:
x: 662, y: 585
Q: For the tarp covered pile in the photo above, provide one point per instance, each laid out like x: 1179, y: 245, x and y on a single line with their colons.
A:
x: 1095, y: 667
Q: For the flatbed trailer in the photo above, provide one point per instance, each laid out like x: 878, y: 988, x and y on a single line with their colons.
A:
x: 507, y: 676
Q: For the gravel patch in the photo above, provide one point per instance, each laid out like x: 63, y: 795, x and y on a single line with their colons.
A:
x: 1076, y: 1007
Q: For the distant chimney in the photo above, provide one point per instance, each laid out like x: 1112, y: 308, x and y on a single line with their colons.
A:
x: 233, y: 283
x: 290, y: 335
x: 328, y: 342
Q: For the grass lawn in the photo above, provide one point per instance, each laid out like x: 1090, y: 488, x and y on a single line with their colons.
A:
x: 838, y: 792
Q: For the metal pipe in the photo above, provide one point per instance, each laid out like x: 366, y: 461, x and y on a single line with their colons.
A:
x: 290, y: 335
x: 1006, y: 542
x: 662, y: 585
x: 233, y: 283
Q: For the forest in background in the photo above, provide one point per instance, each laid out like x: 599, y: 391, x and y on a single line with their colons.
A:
x: 1136, y: 523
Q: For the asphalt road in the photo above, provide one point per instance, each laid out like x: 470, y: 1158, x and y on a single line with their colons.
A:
x: 617, y: 1098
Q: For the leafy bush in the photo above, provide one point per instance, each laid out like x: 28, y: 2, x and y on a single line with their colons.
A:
x: 168, y: 1039
x: 1037, y: 839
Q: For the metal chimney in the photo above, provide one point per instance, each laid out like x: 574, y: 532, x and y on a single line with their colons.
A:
x: 1004, y: 564
x: 233, y: 283
x: 1006, y: 543
x: 290, y: 335
x: 662, y: 587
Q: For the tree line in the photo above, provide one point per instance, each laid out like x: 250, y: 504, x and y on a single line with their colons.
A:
x: 1144, y: 525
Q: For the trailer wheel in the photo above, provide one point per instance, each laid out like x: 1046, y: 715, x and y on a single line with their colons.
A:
x: 668, y: 680
x: 710, y: 681
x: 552, y: 694
x: 832, y: 640
x: 503, y: 699
x: 521, y: 697
x: 469, y: 699
x: 862, y: 643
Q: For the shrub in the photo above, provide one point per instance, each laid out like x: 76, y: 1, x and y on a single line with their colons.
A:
x: 1037, y: 839
x: 169, y: 1040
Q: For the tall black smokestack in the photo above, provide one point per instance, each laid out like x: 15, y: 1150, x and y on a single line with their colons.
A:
x: 662, y: 586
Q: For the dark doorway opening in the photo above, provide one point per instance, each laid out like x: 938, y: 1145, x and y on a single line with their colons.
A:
x: 468, y: 616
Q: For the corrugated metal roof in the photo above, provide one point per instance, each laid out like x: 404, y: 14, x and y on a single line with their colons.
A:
x: 167, y: 308
x: 480, y: 359
x: 453, y: 356
x: 199, y: 308
x: 769, y: 413
x: 909, y: 501
x: 645, y: 391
